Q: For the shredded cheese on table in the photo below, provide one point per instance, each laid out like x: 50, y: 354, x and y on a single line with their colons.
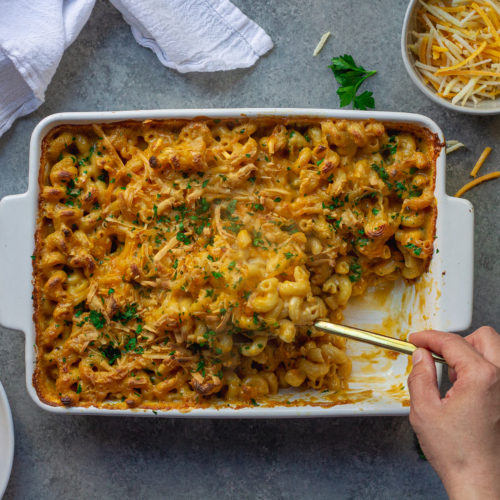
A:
x: 475, y: 182
x: 452, y: 145
x: 480, y: 161
x: 321, y: 43
x: 457, y: 46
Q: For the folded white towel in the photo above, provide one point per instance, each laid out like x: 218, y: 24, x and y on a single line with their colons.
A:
x: 187, y: 35
x: 196, y: 35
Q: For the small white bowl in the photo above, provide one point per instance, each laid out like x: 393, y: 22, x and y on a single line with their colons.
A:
x: 486, y: 107
x: 6, y: 441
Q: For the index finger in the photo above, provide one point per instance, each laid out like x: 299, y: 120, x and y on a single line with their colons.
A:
x: 487, y: 342
x: 458, y: 353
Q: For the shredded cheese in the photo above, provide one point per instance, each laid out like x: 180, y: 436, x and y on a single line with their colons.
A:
x: 321, y: 43
x: 465, y: 61
x: 457, y: 49
x: 480, y: 161
x: 452, y: 145
x: 475, y: 182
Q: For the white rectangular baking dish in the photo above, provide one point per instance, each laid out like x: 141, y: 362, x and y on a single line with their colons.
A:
x: 442, y: 300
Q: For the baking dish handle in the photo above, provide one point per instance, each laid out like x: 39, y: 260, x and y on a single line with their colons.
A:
x: 457, y: 252
x: 16, y: 247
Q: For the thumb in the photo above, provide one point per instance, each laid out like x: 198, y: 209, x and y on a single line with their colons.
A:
x: 422, y: 381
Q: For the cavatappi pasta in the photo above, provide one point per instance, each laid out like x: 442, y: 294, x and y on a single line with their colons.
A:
x: 182, y: 263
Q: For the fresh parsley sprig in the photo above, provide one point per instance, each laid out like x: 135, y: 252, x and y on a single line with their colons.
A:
x: 350, y: 77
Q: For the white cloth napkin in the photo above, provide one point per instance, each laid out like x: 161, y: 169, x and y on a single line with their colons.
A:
x: 195, y: 35
x: 33, y: 36
x: 186, y: 35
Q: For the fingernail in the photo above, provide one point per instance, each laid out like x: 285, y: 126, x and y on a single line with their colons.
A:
x: 417, y: 356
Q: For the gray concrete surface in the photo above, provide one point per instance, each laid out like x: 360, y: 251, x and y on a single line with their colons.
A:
x: 90, y: 457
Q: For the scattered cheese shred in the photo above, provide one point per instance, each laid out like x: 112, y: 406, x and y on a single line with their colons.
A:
x: 480, y: 161
x: 453, y: 145
x: 321, y: 43
x: 475, y: 182
x: 457, y: 48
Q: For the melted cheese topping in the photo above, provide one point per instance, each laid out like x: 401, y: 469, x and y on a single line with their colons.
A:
x: 183, y: 263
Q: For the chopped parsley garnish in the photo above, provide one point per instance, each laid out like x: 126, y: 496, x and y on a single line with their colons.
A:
x: 391, y: 147
x: 291, y: 228
x: 336, y: 203
x: 382, y: 173
x: 414, y: 192
x: 203, y: 207
x: 233, y: 227
x: 290, y: 255
x: 231, y: 206
x: 110, y: 353
x: 183, y: 238
x: 257, y: 239
x: 400, y: 188
x: 131, y: 344
x: 97, y: 319
x: 416, y: 249
x: 355, y: 272
x: 128, y: 314
x: 362, y: 242
x: 201, y: 367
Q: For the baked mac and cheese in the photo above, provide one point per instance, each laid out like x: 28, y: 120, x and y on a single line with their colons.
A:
x: 182, y: 263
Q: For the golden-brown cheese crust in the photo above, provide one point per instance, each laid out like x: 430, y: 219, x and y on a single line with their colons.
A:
x: 180, y: 264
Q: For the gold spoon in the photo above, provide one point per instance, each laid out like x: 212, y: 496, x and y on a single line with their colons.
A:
x: 373, y: 338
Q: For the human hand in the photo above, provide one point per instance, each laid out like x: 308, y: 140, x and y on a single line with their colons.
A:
x: 460, y: 433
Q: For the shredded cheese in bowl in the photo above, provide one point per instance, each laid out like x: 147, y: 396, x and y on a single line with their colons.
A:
x: 457, y: 49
